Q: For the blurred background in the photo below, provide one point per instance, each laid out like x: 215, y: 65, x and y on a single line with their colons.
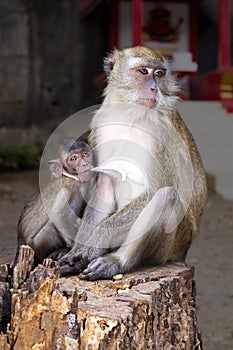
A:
x: 52, y: 51
x: 51, y: 66
x: 51, y: 58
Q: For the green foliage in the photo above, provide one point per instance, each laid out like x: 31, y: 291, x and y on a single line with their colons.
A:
x: 19, y: 157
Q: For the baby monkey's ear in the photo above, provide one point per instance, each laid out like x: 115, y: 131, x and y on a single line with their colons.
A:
x: 55, y: 167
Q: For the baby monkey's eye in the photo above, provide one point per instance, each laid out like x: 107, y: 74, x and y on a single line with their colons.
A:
x: 85, y: 155
x: 73, y: 158
x: 159, y: 73
x: 143, y: 71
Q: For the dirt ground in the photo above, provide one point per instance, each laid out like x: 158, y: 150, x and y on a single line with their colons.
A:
x: 211, y: 254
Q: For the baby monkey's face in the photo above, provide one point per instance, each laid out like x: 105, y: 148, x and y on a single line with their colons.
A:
x: 80, y: 161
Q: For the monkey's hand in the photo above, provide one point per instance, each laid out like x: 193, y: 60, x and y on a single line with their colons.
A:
x: 73, y: 262
x: 58, y: 254
x: 78, y: 258
x: 103, y: 267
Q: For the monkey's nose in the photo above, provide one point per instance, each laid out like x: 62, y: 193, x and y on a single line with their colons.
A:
x: 152, y: 84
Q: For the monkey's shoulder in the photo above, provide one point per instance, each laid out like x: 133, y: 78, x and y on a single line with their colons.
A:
x: 30, y: 202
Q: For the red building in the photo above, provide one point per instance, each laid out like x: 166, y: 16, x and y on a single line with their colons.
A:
x: 172, y: 27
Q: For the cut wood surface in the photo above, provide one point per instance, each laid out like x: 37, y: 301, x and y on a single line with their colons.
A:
x: 153, y: 308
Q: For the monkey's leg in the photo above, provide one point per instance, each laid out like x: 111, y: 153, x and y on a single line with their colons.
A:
x: 44, y: 242
x: 149, y: 241
x: 106, y: 237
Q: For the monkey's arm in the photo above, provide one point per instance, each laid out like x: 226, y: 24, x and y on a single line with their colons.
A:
x: 100, y: 206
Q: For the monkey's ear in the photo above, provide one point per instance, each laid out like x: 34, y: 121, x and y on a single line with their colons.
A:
x: 55, y: 167
x: 109, y: 62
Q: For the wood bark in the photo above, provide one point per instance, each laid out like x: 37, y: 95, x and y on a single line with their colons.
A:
x: 153, y: 308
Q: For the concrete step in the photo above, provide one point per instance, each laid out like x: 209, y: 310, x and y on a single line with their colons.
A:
x: 212, y: 128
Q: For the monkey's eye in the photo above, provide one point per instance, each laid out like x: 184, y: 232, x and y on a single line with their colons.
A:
x: 85, y: 155
x: 73, y: 158
x: 143, y: 71
x: 159, y: 73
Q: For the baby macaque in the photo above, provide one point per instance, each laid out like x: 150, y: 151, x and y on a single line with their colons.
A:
x: 50, y: 220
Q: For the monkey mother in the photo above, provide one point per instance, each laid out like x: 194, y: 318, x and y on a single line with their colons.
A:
x: 151, y: 186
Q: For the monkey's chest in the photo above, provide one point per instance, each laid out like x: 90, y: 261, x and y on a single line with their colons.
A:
x: 124, y: 151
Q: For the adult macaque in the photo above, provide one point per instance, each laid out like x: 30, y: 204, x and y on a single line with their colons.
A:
x: 49, y: 222
x: 151, y: 186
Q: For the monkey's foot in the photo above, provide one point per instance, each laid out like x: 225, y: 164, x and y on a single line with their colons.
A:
x: 103, y: 267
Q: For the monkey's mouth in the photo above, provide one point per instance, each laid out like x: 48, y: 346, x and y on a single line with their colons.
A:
x: 148, y: 102
x: 84, y: 171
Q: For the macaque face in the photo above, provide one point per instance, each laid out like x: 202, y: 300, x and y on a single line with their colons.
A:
x: 148, y: 78
x: 140, y: 75
x: 80, y: 161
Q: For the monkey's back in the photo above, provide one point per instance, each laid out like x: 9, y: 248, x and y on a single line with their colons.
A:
x: 199, y: 192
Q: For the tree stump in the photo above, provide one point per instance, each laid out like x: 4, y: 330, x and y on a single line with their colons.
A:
x: 153, y: 308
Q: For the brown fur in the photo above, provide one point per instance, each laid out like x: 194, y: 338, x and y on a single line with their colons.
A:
x: 138, y: 124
